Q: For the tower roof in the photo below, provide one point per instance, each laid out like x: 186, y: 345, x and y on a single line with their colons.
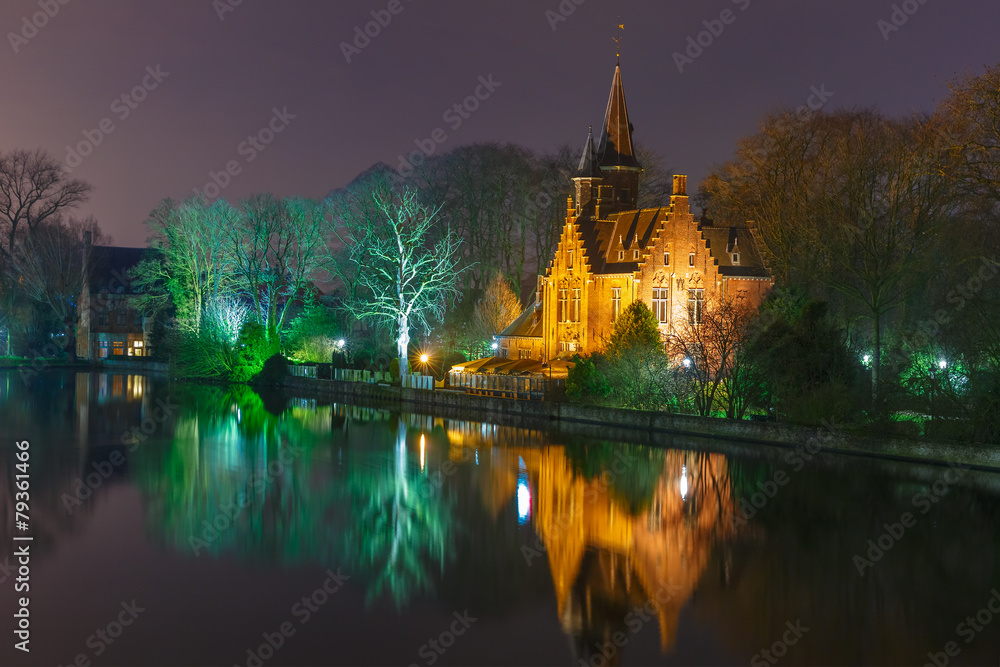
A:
x: 615, y: 150
x: 588, y: 167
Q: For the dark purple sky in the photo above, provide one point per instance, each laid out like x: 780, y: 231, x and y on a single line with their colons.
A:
x: 226, y: 76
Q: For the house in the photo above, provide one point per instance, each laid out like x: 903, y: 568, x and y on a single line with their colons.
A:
x: 110, y: 325
x: 610, y: 254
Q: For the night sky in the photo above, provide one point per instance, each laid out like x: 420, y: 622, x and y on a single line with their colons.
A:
x: 225, y: 78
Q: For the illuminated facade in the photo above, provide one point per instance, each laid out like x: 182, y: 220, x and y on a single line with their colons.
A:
x: 611, y: 253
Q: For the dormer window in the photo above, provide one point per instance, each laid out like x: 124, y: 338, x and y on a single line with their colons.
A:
x: 621, y: 255
x: 736, y: 258
x: 691, y: 259
x: 635, y: 254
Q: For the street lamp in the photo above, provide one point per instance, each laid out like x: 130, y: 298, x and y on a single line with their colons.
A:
x: 340, y: 344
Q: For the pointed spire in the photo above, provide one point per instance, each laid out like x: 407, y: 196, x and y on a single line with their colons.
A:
x: 615, y: 151
x: 588, y: 167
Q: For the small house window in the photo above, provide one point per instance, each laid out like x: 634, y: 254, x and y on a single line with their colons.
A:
x: 691, y: 259
x: 736, y: 258
x: 616, y: 302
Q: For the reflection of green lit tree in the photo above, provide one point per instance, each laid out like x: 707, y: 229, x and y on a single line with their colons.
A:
x: 227, y: 448
x: 631, y: 471
x: 400, y: 522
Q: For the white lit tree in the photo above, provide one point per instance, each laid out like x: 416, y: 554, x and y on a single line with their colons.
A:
x: 405, y: 268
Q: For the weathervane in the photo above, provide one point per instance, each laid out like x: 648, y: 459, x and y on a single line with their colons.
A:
x: 618, y: 41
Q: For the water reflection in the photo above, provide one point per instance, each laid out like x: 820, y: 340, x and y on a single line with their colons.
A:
x: 605, y: 540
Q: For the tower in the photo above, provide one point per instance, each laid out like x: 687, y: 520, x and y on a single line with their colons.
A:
x: 607, y: 179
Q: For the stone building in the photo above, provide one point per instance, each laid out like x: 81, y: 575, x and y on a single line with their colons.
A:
x: 610, y: 254
x: 110, y: 326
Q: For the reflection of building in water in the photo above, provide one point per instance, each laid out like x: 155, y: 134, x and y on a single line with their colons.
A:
x: 609, y: 553
x: 120, y: 401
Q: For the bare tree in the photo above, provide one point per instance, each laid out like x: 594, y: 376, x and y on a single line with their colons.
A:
x: 34, y: 187
x: 51, y: 268
x: 498, y: 308
x: 194, y: 263
x: 711, y: 348
x: 277, y: 247
x: 405, y: 277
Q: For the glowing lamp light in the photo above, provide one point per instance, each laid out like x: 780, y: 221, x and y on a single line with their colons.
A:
x: 340, y: 343
x: 687, y: 363
x: 684, y: 482
x: 422, y: 460
x: 495, y: 345
x: 423, y: 358
x: 523, y: 501
x: 942, y: 364
x: 867, y: 358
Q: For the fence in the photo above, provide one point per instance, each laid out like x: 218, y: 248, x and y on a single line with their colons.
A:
x: 302, y: 371
x: 531, y: 387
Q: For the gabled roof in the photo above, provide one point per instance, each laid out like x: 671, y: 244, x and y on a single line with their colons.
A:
x: 615, y: 150
x: 721, y: 241
x: 110, y: 265
x: 527, y: 324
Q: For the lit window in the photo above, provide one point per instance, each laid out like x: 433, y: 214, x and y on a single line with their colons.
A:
x: 691, y: 259
x: 696, y: 306
x: 117, y: 348
x: 616, y: 302
x: 563, y: 311
x: 666, y: 259
x: 660, y: 305
x: 524, y: 354
x: 576, y: 305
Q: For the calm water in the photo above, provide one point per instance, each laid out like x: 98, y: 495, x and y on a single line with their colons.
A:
x: 208, y: 521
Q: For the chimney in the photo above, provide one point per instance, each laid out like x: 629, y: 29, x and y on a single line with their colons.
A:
x: 680, y: 185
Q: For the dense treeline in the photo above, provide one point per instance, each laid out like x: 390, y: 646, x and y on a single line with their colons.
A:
x: 882, y: 234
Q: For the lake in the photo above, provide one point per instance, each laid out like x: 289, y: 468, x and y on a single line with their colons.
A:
x: 188, y: 524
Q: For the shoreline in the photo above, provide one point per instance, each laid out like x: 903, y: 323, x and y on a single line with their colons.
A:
x: 649, y: 426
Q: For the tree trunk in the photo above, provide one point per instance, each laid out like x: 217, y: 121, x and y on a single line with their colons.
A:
x: 403, y: 345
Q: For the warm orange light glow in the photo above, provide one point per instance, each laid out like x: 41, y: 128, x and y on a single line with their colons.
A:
x: 423, y: 358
